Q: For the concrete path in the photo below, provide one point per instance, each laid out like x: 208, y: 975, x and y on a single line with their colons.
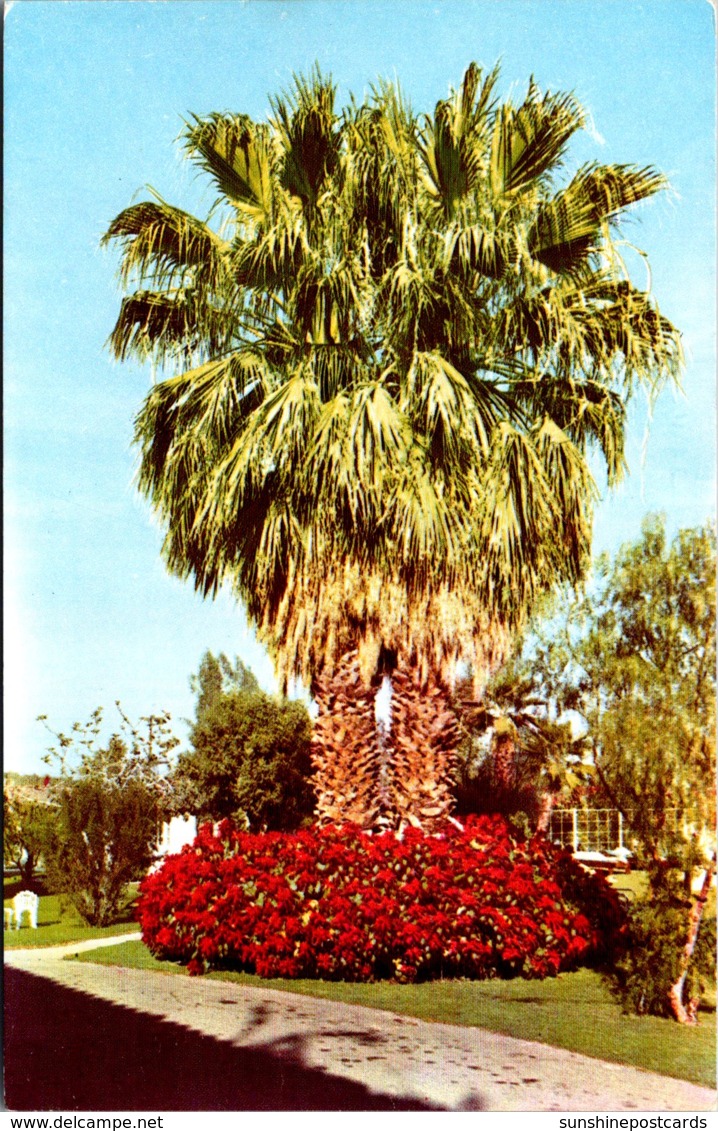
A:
x: 192, y: 1044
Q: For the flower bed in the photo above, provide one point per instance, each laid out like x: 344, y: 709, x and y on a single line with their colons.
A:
x: 340, y: 904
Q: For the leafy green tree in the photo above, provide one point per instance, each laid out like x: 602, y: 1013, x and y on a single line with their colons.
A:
x: 111, y: 800
x: 390, y: 354
x: 636, y: 658
x: 250, y: 757
x: 26, y: 828
x: 103, y: 839
x: 215, y: 678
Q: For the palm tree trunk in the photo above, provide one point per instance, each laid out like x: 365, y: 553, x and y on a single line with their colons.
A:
x: 686, y: 1014
x: 504, y: 757
x: 346, y: 750
x: 421, y: 753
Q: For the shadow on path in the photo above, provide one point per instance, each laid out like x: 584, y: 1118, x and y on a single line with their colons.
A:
x: 69, y: 1051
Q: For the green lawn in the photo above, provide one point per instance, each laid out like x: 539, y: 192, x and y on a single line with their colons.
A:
x: 633, y: 885
x: 574, y: 1011
x: 58, y: 922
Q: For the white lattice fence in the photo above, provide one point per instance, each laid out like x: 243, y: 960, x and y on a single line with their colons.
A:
x: 594, y: 830
x: 587, y: 830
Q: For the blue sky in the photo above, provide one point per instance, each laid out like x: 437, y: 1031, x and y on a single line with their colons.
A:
x: 95, y: 94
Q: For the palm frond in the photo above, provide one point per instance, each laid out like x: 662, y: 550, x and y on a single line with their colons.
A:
x: 424, y: 531
x: 473, y: 249
x: 569, y: 227
x: 176, y: 326
x: 529, y: 142
x: 624, y: 322
x: 573, y: 493
x: 187, y: 424
x: 236, y: 153
x: 165, y: 246
x: 361, y: 438
x: 454, y: 414
x: 307, y: 126
x: 588, y: 412
x: 271, y: 261
x: 452, y: 145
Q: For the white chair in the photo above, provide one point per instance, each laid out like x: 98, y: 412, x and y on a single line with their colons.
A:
x: 25, y: 902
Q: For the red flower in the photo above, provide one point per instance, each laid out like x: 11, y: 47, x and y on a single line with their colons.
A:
x: 340, y: 903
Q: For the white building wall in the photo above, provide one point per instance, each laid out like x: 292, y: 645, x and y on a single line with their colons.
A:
x: 176, y: 833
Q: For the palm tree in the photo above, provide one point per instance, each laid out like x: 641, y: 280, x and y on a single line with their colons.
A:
x: 394, y: 347
x: 516, y: 755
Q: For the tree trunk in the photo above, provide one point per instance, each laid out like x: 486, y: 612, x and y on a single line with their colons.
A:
x: 421, y: 753
x: 686, y: 1014
x: 26, y: 866
x: 346, y: 749
x: 504, y: 755
x: 379, y: 778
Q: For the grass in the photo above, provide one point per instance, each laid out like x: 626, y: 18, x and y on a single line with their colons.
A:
x: 632, y: 885
x: 58, y: 922
x: 573, y: 1011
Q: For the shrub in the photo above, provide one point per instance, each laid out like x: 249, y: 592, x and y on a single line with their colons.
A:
x: 344, y: 905
x: 27, y: 826
x: 103, y: 838
x: 110, y: 801
x: 649, y: 966
x: 250, y: 760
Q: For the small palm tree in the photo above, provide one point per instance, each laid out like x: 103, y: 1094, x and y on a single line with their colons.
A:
x: 393, y: 347
x: 516, y: 755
